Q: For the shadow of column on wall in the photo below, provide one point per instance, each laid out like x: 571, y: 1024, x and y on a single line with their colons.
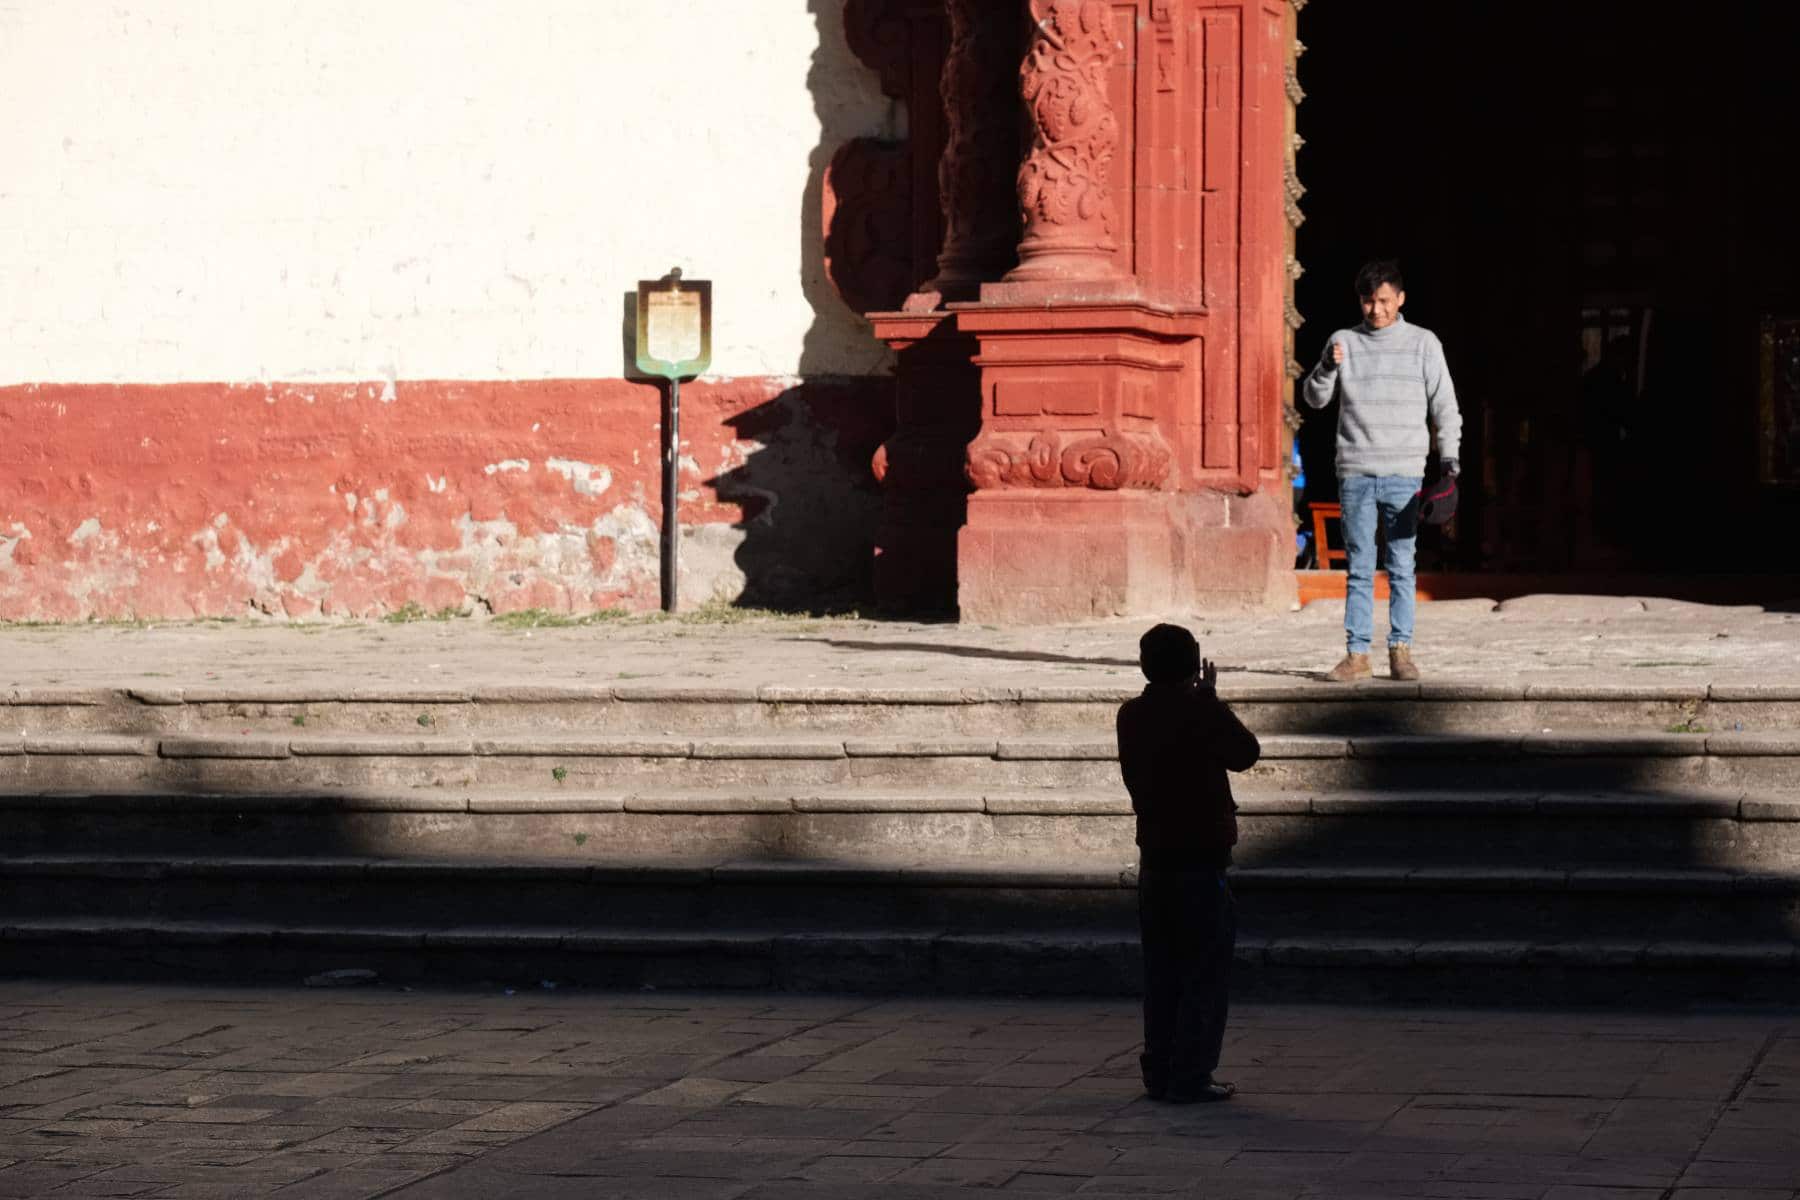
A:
x: 870, y: 233
x: 809, y: 500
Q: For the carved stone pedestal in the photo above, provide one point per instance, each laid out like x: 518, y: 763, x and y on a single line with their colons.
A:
x: 1079, y: 508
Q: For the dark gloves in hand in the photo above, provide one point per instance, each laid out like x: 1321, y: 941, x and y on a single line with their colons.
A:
x: 1450, y: 467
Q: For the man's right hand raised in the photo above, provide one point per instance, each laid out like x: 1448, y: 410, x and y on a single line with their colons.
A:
x: 1337, y: 353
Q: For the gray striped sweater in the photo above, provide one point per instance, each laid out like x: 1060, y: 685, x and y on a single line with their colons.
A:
x: 1391, y: 381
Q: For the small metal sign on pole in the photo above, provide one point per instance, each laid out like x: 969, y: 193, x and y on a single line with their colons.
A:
x: 674, y: 340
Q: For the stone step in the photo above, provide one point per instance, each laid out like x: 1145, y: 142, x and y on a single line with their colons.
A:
x: 1737, y: 830
x: 1698, y: 828
x: 1300, y: 707
x: 1616, y: 971
x: 277, y: 762
x: 798, y: 896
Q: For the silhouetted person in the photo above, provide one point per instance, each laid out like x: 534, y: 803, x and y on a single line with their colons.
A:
x: 1176, y: 742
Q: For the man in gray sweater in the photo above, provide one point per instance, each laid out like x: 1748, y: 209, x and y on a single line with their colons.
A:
x: 1392, y: 381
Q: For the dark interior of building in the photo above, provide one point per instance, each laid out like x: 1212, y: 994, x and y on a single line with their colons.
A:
x: 1593, y: 209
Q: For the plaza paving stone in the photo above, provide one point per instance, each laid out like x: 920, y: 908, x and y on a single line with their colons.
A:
x: 172, y: 1091
x: 1546, y: 642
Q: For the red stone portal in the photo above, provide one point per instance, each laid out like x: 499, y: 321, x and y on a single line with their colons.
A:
x: 1101, y: 415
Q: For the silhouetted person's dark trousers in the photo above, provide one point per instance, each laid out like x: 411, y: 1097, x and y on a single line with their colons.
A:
x: 1188, y: 922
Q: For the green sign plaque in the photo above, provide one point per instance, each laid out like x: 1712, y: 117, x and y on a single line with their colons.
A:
x: 674, y: 326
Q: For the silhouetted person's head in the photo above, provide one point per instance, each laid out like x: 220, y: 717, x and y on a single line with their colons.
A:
x: 1168, y: 654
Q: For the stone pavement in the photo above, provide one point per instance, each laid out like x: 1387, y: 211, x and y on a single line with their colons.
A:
x: 1607, y: 640
x: 162, y: 1091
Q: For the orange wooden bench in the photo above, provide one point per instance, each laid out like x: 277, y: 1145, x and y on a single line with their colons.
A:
x: 1322, y: 512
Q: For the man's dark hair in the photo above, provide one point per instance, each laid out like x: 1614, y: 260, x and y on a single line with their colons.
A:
x: 1374, y: 274
x: 1168, y: 654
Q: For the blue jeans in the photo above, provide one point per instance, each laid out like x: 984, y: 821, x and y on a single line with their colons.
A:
x: 1396, y: 499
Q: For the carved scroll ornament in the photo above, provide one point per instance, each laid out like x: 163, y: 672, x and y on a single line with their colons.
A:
x: 1106, y: 463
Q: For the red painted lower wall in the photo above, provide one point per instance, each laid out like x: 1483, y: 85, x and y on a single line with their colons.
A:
x: 299, y: 500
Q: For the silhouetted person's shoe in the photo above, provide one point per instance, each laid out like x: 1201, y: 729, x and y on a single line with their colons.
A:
x: 1353, y: 666
x: 1210, y: 1092
x: 1400, y: 663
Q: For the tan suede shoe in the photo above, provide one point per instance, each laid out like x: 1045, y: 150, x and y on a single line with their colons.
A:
x: 1353, y: 666
x: 1401, y: 665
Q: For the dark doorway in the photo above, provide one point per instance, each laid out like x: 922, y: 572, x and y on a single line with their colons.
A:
x: 1593, y: 211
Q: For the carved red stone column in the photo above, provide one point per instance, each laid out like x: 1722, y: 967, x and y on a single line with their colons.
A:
x: 1065, y: 183
x: 975, y: 183
x: 1130, y: 364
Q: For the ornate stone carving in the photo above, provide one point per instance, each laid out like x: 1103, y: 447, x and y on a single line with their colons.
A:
x: 880, y: 211
x: 1043, y: 460
x: 981, y: 222
x: 1290, y: 182
x: 1168, y: 50
x: 1291, y: 314
x: 1065, y: 191
x: 1295, y: 217
x: 868, y: 223
x: 1290, y: 78
x: 880, y: 34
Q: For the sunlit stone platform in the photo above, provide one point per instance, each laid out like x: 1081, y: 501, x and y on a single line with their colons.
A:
x: 1593, y: 796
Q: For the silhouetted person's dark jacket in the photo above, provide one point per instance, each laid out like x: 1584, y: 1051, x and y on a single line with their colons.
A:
x: 1176, y: 743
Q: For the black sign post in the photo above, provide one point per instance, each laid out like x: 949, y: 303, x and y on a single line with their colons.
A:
x: 674, y: 340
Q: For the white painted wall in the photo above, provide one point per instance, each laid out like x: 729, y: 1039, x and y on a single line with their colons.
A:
x: 239, y: 190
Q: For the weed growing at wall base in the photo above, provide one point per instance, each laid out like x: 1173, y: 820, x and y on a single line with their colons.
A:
x: 713, y: 612
x: 412, y: 610
x: 541, y: 618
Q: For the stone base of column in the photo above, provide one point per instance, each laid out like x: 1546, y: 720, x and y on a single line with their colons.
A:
x: 924, y: 491
x: 1017, y: 289
x: 1027, y: 557
x: 1240, y: 551
x: 915, y: 555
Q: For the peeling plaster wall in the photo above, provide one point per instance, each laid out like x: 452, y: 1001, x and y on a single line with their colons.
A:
x: 319, y: 307
x: 301, y: 501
